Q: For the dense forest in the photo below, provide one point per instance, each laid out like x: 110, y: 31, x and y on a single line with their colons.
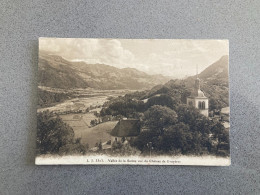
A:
x: 168, y: 123
x: 47, y: 98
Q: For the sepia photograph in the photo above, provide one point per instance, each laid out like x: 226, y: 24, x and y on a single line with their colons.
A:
x: 133, y: 102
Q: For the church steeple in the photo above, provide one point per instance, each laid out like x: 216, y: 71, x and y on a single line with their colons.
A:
x: 197, y: 98
x: 197, y: 81
x: 197, y: 70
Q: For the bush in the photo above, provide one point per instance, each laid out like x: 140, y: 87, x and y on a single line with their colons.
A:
x: 174, y: 152
x: 124, y: 149
x: 72, y: 149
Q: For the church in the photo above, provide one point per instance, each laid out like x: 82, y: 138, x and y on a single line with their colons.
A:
x: 198, y: 99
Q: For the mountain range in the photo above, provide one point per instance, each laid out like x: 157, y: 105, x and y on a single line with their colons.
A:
x: 215, y: 74
x: 56, y: 72
x: 213, y: 82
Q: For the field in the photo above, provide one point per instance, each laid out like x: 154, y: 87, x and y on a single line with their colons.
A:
x: 82, y: 129
x: 80, y: 120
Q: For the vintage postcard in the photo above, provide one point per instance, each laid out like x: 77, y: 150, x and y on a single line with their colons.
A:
x: 133, y: 101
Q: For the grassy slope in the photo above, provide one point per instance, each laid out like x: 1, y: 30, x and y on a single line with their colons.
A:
x: 89, y: 135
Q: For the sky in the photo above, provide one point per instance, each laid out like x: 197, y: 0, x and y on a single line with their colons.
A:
x: 176, y: 58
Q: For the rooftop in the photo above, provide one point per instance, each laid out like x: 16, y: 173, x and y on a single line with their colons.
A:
x: 225, y: 110
x: 126, y: 128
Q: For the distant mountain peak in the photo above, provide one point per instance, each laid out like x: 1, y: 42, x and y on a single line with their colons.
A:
x: 217, y: 69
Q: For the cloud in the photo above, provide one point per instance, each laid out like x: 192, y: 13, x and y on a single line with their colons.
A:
x: 90, y: 50
x: 112, y: 53
x: 181, y: 57
x: 176, y: 58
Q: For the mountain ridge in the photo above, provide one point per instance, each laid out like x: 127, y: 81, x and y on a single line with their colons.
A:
x: 213, y: 82
x: 55, y: 71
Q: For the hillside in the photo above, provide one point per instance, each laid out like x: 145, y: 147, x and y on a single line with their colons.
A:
x: 56, y: 72
x: 214, y: 84
x: 219, y: 69
x: 215, y: 74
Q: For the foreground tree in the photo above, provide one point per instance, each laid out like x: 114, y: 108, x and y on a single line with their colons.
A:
x: 157, y: 118
x: 54, y: 136
x: 221, y: 136
x: 145, y: 137
x: 188, y: 114
x: 192, y: 133
x: 177, y: 137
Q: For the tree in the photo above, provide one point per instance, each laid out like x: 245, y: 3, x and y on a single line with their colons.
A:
x: 53, y: 135
x: 188, y: 115
x: 105, y: 111
x: 145, y: 137
x: 202, y: 125
x: 116, y: 145
x: 157, y: 118
x: 123, y: 106
x: 177, y: 137
x: 214, y: 104
x: 100, y: 146
x: 221, y: 135
x: 93, y: 123
x: 163, y: 100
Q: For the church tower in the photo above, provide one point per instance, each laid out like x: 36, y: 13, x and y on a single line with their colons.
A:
x: 198, y: 99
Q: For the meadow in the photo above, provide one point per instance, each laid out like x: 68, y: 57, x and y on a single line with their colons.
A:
x: 82, y: 129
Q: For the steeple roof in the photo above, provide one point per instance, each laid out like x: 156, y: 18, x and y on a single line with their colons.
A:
x: 196, y: 91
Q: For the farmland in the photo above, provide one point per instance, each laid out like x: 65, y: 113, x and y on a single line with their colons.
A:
x: 80, y: 100
x: 82, y: 129
x: 73, y: 112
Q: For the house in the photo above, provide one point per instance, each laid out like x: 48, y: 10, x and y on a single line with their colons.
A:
x: 125, y: 129
x: 225, y: 110
x: 224, y: 113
